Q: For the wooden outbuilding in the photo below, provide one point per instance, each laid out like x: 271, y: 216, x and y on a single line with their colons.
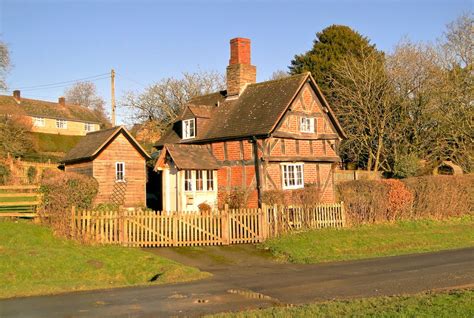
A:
x: 117, y: 161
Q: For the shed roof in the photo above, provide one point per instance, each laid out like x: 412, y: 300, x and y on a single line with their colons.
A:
x: 93, y: 143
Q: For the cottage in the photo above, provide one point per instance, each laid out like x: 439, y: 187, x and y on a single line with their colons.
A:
x: 274, y: 135
x: 116, y: 160
x: 51, y: 118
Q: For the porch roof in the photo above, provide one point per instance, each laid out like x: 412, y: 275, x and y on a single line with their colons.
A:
x: 188, y: 157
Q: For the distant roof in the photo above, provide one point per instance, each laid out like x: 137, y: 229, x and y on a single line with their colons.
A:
x: 192, y: 157
x: 41, y: 108
x: 93, y: 143
x: 255, y: 112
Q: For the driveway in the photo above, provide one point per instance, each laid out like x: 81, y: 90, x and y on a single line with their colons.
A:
x: 244, y: 278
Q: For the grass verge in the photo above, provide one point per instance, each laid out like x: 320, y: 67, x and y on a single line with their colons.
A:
x: 445, y: 304
x: 315, y: 246
x: 34, y: 262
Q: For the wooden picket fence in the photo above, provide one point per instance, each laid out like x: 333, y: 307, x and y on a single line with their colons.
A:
x: 146, y: 228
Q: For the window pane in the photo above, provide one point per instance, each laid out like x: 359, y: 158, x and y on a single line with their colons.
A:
x: 199, y: 183
x: 187, y: 180
x: 210, y: 180
x: 119, y: 171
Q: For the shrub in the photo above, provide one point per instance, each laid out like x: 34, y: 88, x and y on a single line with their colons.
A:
x: 204, y: 208
x: 62, y: 190
x: 5, y: 174
x: 420, y: 197
x: 235, y: 198
x: 307, y: 196
x: 31, y: 173
x: 442, y: 196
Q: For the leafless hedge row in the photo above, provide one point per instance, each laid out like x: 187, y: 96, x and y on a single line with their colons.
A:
x: 436, y: 197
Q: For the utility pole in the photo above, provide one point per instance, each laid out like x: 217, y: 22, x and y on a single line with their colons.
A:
x: 112, y: 99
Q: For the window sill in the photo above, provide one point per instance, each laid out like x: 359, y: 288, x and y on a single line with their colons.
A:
x: 293, y: 187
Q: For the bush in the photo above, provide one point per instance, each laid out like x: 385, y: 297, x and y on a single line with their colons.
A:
x: 442, y: 196
x: 235, y: 198
x: 31, y: 173
x: 412, y: 198
x: 62, y: 190
x: 307, y: 196
x: 5, y: 174
x: 204, y: 208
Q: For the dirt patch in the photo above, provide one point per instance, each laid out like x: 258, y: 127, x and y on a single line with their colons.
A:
x: 95, y: 263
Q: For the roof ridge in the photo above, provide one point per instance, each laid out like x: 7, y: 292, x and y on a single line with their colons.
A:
x: 282, y: 79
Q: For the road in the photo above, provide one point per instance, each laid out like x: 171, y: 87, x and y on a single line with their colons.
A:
x: 247, y: 281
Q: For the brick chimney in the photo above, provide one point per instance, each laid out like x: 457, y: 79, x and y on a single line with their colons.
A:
x: 17, y: 95
x: 239, y: 72
x: 62, y: 101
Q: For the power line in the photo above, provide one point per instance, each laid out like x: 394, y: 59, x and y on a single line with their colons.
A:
x: 65, y: 83
x: 130, y: 79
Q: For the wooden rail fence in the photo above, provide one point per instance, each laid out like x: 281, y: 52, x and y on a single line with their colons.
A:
x: 146, y: 228
x: 19, y: 201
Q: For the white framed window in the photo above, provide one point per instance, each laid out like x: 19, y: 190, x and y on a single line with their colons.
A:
x: 88, y: 127
x: 38, y: 122
x: 307, y: 124
x: 188, y: 180
x: 120, y: 172
x: 210, y: 180
x: 199, y: 180
x: 292, y: 175
x: 189, y: 128
x: 61, y: 123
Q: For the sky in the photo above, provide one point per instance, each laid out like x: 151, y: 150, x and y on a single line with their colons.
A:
x: 146, y: 41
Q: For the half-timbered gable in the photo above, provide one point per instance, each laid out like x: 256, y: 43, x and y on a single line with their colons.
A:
x: 278, y: 134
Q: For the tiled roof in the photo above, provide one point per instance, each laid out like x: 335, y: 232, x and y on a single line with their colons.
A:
x: 255, y: 112
x: 93, y: 143
x: 192, y: 157
x: 40, y: 108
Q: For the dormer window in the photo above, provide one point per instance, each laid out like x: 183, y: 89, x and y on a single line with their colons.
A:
x: 189, y: 128
x: 307, y: 124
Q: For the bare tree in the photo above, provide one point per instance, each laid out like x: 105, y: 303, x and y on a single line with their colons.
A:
x: 455, y: 111
x: 458, y: 42
x: 414, y: 73
x: 279, y: 74
x: 365, y: 106
x: 85, y: 94
x: 162, y: 102
x: 4, y: 64
x: 14, y: 137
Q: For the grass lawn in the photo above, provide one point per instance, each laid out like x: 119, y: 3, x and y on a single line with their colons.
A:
x: 315, y: 246
x: 33, y: 262
x: 448, y: 304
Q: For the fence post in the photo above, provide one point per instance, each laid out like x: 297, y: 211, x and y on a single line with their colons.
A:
x: 73, y: 221
x: 225, y: 225
x: 275, y: 220
x: 343, y: 214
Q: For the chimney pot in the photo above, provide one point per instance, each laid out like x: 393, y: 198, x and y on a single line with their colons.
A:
x: 62, y: 101
x: 17, y: 94
x: 239, y: 72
